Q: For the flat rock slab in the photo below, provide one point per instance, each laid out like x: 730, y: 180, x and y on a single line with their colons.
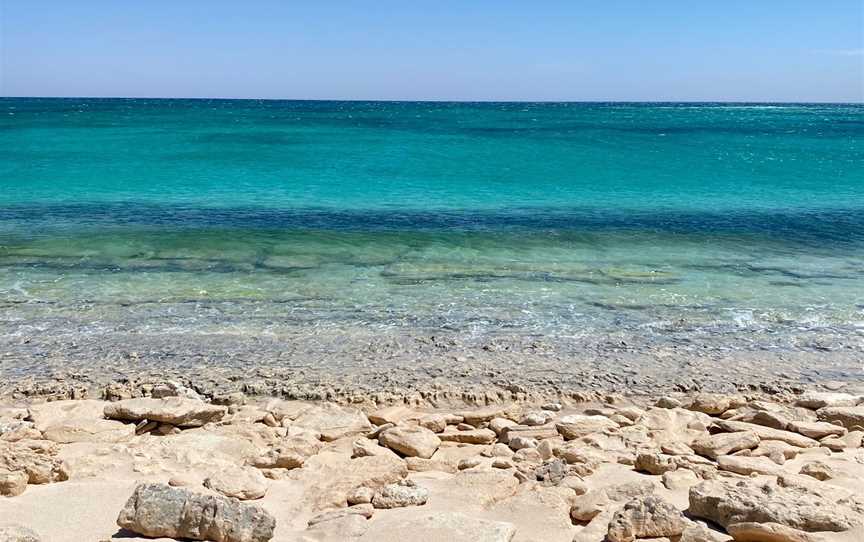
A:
x: 160, y: 510
x: 89, y: 430
x: 749, y: 501
x: 437, y: 527
x: 173, y: 410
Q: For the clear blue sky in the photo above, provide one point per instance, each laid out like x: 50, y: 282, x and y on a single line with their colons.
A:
x: 734, y: 50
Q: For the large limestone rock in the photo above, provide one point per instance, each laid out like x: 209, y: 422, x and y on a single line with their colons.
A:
x: 333, y: 421
x: 817, y: 430
x: 392, y: 414
x: 171, y: 410
x: 647, y: 517
x: 849, y: 417
x: 411, y: 441
x: 244, y: 483
x: 746, y: 501
x: 159, y: 510
x: 577, y: 425
x: 45, y: 415
x: 714, y: 446
x: 437, y: 527
x: 710, y: 403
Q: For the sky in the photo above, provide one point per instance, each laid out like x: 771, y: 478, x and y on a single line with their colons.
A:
x: 569, y: 50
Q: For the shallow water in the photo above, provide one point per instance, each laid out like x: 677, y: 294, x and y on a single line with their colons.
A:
x: 744, y: 223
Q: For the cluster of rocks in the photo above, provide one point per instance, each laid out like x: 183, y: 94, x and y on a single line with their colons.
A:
x: 682, y: 468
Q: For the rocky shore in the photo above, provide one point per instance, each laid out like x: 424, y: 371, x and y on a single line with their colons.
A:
x: 160, y: 460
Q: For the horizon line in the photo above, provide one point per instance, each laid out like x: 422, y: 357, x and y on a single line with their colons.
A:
x: 379, y: 100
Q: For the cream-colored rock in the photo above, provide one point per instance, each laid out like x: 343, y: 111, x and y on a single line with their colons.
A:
x: 747, y: 501
x: 575, y: 426
x: 12, y: 483
x: 290, y: 453
x: 768, y: 433
x: 817, y: 430
x: 473, y: 436
x: 769, y: 532
x: 171, y: 410
x: 434, y: 422
x: 850, y: 417
x: 710, y: 403
x: 714, y: 446
x: 818, y: 470
x: 646, y: 517
x: 244, y: 483
x: 393, y: 414
x: 333, y: 421
x: 680, y: 479
x: 89, y: 430
x: 401, y: 494
x: 411, y: 441
x: 748, y: 465
x: 485, y: 414
x: 815, y: 400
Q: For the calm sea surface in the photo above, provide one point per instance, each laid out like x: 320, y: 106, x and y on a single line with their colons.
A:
x: 242, y: 217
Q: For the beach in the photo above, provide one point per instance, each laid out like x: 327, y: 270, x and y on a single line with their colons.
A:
x: 245, y: 320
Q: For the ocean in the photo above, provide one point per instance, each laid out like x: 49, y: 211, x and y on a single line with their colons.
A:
x: 202, y: 222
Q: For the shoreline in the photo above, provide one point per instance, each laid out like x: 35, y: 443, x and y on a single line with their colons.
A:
x: 500, y: 471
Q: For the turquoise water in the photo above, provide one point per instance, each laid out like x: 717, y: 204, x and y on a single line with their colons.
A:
x: 560, y: 220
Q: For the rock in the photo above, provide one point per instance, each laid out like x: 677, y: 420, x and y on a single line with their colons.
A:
x: 768, y: 532
x: 747, y: 465
x: 817, y: 430
x: 418, y: 464
x: 574, y: 483
x: 361, y: 495
x: 12, y: 483
x: 697, y: 532
x: 393, y: 414
x: 815, y: 400
x: 363, y: 447
x: 517, y: 443
x: 158, y: 510
x: 714, y: 446
x: 768, y: 433
x: 546, y: 449
x: 244, y: 483
x: 363, y: 510
x: 655, y: 463
x: 438, y: 527
x: 89, y: 430
x: 575, y: 426
x: 472, y: 436
x: 476, y: 417
x: 404, y: 493
x: 551, y: 407
x: 849, y: 417
x: 850, y: 440
x: 585, y: 507
x: 679, y: 479
x: 469, y: 463
x: 500, y: 424
x: 818, y: 470
x: 502, y: 463
x: 646, y: 517
x: 172, y: 410
x: 727, y: 503
x: 434, y: 422
x: 333, y: 421
x: 775, y: 450
x: 17, y: 533
x: 41, y: 468
x: 290, y: 453
x: 709, y: 403
x: 668, y: 402
x: 411, y: 441
x: 535, y: 418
